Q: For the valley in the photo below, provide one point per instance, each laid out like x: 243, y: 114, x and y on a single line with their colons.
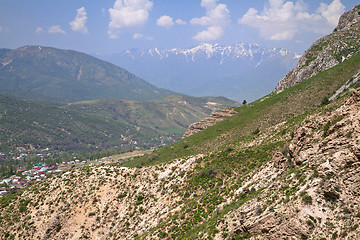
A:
x: 284, y: 166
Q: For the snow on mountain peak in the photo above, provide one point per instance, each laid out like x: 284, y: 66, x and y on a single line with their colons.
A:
x: 209, y: 51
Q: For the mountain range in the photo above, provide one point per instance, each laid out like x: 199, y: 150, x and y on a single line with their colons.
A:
x: 241, y: 71
x: 63, y: 75
x: 71, y: 101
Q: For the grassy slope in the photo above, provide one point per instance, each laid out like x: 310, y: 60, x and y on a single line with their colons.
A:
x: 270, y: 110
x: 41, y: 125
x: 99, y: 124
x: 167, y: 115
x: 218, y: 175
x: 203, y: 200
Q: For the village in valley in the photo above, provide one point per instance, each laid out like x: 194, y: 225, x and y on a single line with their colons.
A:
x: 34, y: 166
x: 37, y: 171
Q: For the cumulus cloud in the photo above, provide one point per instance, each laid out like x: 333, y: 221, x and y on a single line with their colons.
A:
x: 282, y: 20
x: 128, y: 13
x: 212, y: 33
x: 78, y: 24
x: 216, y: 19
x: 165, y: 21
x: 180, y: 22
x: 56, y: 29
x: 332, y: 12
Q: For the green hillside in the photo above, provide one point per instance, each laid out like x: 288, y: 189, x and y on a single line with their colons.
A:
x: 265, y: 112
x: 168, y: 115
x: 99, y: 124
x: 45, y: 73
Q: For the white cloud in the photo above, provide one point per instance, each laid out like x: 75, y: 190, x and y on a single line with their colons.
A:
x: 165, y: 21
x: 212, y: 33
x: 332, y: 12
x: 128, y: 13
x: 282, y: 20
x: 141, y: 36
x: 180, y: 22
x: 78, y: 24
x: 217, y: 18
x: 39, y: 30
x: 56, y: 29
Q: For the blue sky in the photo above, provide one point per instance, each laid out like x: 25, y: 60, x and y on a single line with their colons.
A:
x: 111, y: 26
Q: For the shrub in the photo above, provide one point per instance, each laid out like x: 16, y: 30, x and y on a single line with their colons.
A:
x: 258, y: 210
x: 256, y: 131
x: 208, y: 173
x: 326, y: 129
x: 228, y: 149
x: 353, y: 228
x: 307, y: 199
x: 310, y: 223
x: 153, y: 157
x: 325, y: 101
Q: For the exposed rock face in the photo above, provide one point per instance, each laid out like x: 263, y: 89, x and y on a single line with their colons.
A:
x: 354, y: 80
x: 327, y: 198
x: 280, y: 161
x: 327, y: 51
x: 215, y: 117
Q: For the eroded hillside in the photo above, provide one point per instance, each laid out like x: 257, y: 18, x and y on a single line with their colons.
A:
x: 298, y: 179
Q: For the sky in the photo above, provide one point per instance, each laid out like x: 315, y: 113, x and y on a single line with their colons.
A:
x: 111, y: 26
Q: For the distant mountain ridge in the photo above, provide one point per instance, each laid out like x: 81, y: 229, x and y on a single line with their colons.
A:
x: 64, y: 75
x: 240, y: 71
x: 218, y: 52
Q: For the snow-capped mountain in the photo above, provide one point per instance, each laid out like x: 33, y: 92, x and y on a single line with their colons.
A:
x: 241, y: 71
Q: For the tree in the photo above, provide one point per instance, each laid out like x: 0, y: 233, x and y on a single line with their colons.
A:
x: 244, y: 102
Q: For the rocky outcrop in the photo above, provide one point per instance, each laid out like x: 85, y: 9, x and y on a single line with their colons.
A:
x: 342, y: 90
x: 327, y: 51
x: 322, y: 197
x: 215, y: 117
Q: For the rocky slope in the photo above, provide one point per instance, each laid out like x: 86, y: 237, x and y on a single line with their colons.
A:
x: 327, y: 51
x: 295, y: 180
x: 209, y: 121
